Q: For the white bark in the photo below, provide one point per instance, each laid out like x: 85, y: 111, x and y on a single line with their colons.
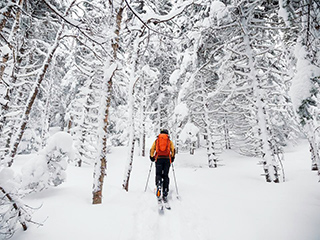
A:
x: 101, y: 159
x: 262, y: 133
x: 131, y: 124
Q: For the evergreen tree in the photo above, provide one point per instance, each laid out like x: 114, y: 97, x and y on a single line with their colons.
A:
x: 303, y: 41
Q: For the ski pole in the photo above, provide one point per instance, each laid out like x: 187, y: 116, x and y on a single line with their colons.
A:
x: 145, y: 189
x: 175, y: 181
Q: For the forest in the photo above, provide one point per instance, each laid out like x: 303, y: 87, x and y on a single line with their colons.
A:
x: 78, y: 78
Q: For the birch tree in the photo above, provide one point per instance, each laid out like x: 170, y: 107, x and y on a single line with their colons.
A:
x: 131, y: 121
x: 110, y: 68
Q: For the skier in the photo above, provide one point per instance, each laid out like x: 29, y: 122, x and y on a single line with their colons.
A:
x: 162, y: 153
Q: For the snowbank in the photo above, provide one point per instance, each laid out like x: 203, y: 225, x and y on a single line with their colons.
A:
x: 227, y: 203
x: 47, y: 168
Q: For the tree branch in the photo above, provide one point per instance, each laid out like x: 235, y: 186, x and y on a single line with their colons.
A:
x: 77, y: 26
x: 154, y: 20
x: 15, y: 206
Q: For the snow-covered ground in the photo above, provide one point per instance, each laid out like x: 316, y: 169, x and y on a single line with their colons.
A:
x: 230, y: 202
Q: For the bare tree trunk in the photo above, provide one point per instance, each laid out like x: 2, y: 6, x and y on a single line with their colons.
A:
x: 131, y: 117
x: 313, y: 143
x: 192, y: 147
x: 314, y: 164
x: 226, y: 133
x: 308, y: 41
x: 143, y: 144
x: 101, y: 164
x: 129, y: 167
x: 212, y: 156
x: 143, y: 140
x: 100, y: 172
x: 46, y: 117
x: 84, y: 127
x: 263, y: 133
x: 70, y: 122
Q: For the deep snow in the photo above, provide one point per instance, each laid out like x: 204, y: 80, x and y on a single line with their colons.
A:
x: 230, y: 202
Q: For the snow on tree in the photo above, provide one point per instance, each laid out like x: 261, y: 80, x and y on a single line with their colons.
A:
x: 48, y: 168
x: 31, y: 142
x: 304, y: 45
x: 240, y: 44
x: 110, y: 68
x: 180, y: 118
x: 37, y: 77
x: 254, y: 49
x: 148, y: 77
x: 12, y: 210
x: 83, y: 110
x: 101, y: 158
x: 188, y: 136
x: 131, y: 120
x: 218, y: 71
x: 194, y: 79
x: 161, y: 60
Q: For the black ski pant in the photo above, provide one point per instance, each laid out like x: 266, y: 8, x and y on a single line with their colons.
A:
x: 162, y: 174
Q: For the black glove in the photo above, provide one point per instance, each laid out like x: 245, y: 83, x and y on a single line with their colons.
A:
x: 152, y: 159
x: 172, y: 159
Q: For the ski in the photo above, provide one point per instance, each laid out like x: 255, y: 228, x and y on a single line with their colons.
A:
x: 167, y: 205
x: 162, y: 201
x: 160, y: 207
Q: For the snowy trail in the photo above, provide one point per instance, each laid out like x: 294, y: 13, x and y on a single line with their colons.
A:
x: 173, y: 224
x: 227, y: 203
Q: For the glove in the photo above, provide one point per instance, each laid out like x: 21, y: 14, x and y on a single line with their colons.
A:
x: 152, y: 159
x: 172, y: 159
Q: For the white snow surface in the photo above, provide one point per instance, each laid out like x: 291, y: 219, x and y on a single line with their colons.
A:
x: 229, y: 202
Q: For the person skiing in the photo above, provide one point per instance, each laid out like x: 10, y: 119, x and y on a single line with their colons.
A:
x: 162, y: 153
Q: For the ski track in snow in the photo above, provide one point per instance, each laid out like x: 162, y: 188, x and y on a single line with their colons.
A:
x: 227, y: 203
x: 172, y: 224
